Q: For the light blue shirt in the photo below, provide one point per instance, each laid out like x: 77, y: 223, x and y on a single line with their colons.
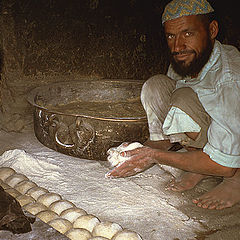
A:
x: 218, y: 89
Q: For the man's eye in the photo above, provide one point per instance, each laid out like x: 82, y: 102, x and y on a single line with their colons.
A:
x: 170, y: 36
x: 188, y: 34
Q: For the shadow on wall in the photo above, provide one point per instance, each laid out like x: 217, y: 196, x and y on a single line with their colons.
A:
x: 227, y: 15
x: 111, y: 39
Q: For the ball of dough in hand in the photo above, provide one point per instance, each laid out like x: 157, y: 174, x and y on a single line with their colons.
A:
x: 72, y: 214
x: 114, y: 156
x: 60, y: 206
x: 13, y: 192
x: 126, y: 235
x: 87, y: 222
x: 24, y: 186
x: 60, y: 224
x: 78, y: 234
x: 47, y: 215
x: 106, y: 229
x: 14, y: 179
x: 35, y: 207
x: 6, y: 172
x: 36, y: 192
x: 48, y: 198
x: 25, y: 199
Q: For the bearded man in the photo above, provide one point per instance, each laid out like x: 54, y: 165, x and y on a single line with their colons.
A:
x: 195, y: 105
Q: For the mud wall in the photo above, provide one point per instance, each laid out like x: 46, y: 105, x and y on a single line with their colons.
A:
x: 57, y: 40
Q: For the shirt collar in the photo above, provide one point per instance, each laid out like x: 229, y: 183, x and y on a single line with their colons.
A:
x: 209, y: 65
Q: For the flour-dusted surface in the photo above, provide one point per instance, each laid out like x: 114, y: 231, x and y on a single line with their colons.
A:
x: 139, y: 207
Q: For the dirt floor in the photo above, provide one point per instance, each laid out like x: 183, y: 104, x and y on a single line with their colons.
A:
x: 159, y: 214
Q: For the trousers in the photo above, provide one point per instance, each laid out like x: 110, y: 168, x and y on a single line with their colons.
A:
x: 159, y: 95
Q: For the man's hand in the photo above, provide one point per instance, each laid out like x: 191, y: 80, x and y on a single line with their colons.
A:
x: 139, y: 160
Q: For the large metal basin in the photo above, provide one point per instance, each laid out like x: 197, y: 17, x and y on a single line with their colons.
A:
x: 85, y: 118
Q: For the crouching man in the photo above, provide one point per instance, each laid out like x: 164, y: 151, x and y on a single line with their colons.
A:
x: 196, y: 105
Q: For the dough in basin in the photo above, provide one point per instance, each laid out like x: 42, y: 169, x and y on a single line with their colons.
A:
x: 6, y: 172
x: 106, y: 229
x: 60, y: 224
x: 88, y: 222
x: 24, y: 186
x: 78, y: 234
x: 48, y: 198
x: 72, y: 214
x: 60, y: 205
x: 47, y: 215
x: 126, y: 235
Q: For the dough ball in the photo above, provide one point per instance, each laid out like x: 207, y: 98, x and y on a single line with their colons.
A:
x: 72, y: 214
x: 24, y: 186
x: 126, y: 235
x: 13, y: 192
x: 78, y: 234
x: 47, y: 215
x: 5, y: 172
x: 48, y: 198
x: 4, y: 185
x: 98, y: 238
x: 114, y: 157
x: 132, y: 146
x: 86, y: 221
x: 25, y: 199
x: 14, y: 179
x: 60, y: 224
x: 106, y: 229
x: 35, y: 207
x: 36, y: 192
x: 60, y: 206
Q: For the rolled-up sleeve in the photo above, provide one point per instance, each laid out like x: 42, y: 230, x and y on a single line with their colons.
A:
x: 223, y: 145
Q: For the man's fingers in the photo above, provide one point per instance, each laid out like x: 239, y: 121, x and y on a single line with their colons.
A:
x: 131, y: 166
x: 121, y: 170
x: 123, y: 154
x: 110, y: 175
x: 125, y: 144
x: 115, y: 174
x: 130, y: 153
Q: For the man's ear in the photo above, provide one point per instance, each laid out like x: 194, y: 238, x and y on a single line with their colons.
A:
x: 213, y: 29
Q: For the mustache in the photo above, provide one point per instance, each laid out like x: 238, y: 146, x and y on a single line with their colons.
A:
x: 182, y: 52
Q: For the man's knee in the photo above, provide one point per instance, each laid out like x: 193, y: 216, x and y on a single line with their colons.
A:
x: 183, y: 96
x: 187, y: 100
x: 156, y: 85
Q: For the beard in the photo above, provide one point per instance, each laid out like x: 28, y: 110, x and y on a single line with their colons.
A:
x: 197, y: 64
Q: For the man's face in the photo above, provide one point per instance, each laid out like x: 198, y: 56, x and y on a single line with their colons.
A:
x: 189, y: 43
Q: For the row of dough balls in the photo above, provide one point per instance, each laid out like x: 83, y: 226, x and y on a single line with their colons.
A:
x: 60, y: 214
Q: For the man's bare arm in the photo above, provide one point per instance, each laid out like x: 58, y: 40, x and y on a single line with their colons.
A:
x: 143, y: 158
x: 195, y: 161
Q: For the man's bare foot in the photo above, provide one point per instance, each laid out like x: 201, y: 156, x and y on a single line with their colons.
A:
x: 225, y: 195
x: 186, y: 182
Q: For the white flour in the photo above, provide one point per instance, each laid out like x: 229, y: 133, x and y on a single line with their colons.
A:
x: 123, y: 201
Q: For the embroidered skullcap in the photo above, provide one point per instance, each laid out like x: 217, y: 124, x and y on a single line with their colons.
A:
x: 179, y: 8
